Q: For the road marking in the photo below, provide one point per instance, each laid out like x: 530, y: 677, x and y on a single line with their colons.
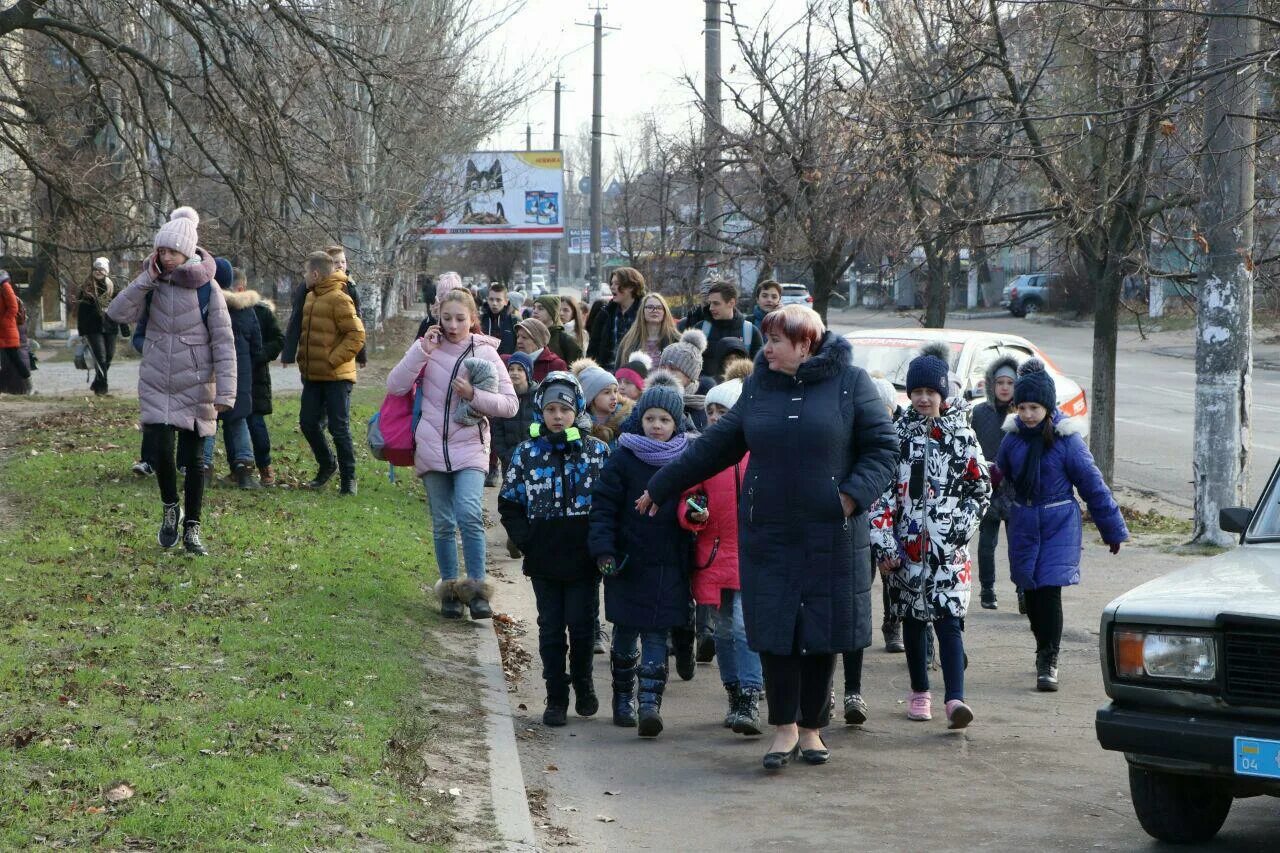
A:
x: 1147, y: 425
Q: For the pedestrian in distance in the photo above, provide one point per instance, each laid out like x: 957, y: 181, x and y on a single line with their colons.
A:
x: 573, y: 319
x: 645, y: 558
x: 724, y: 321
x: 272, y: 344
x: 713, y: 517
x: 768, y: 298
x: 631, y: 376
x: 341, y: 264
x: 532, y: 337
x: 618, y: 316
x: 188, y: 372
x: 497, y: 320
x: 248, y: 341
x: 1048, y: 462
x: 988, y: 419
x: 654, y: 330
x: 545, y: 506
x: 15, y: 365
x: 546, y: 310
x: 451, y: 458
x: 331, y: 335
x: 92, y: 323
x: 921, y: 529
x: 822, y: 451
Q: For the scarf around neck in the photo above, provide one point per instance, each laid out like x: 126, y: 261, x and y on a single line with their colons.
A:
x: 1027, y: 481
x: 653, y: 452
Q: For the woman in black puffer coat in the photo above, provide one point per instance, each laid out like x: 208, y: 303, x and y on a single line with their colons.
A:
x: 248, y: 340
x: 822, y: 451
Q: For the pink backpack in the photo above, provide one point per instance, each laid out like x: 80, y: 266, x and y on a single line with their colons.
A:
x: 391, y: 430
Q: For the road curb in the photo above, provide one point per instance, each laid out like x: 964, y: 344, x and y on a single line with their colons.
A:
x: 506, y: 778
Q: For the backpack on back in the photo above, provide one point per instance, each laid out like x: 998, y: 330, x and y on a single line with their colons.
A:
x: 748, y: 331
x: 203, y: 294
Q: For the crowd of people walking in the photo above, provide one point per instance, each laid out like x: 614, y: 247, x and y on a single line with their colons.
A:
x: 732, y: 480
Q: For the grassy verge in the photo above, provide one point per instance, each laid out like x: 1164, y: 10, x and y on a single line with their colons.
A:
x: 272, y: 694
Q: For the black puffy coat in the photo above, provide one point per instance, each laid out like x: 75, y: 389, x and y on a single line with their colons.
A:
x: 508, y: 433
x: 805, y: 568
x: 272, y: 344
x: 501, y: 326
x: 651, y: 591
x: 987, y: 420
x: 248, y: 340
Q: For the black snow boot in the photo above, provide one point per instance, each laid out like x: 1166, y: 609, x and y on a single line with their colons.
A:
x: 748, y: 722
x: 624, y: 689
x: 450, y: 604
x: 732, y: 689
x: 653, y: 681
x: 243, y: 473
x: 557, y: 712
x: 1047, y: 671
x: 682, y: 642
x: 989, y: 598
x: 581, y: 654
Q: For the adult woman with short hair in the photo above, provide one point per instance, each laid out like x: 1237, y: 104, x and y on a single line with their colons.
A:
x: 822, y: 451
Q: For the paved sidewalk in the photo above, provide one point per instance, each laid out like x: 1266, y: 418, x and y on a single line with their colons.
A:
x: 1028, y: 773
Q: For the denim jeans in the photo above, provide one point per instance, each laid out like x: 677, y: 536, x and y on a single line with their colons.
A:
x: 261, y: 440
x: 950, y: 631
x: 566, y: 607
x: 456, y: 503
x: 653, y: 645
x: 332, y: 401
x: 206, y: 450
x: 737, y: 662
x: 235, y: 439
x: 988, y: 540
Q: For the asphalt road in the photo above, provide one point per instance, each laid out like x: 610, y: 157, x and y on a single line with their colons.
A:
x: 1155, y: 396
x: 1027, y: 775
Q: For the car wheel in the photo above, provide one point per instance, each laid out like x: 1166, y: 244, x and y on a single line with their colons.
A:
x: 1031, y: 306
x: 1176, y: 808
x: 1017, y: 311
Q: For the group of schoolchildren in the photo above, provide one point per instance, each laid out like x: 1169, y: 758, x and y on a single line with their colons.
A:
x: 206, y: 343
x: 568, y: 506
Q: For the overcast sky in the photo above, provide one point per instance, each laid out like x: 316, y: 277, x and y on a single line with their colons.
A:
x: 658, y: 41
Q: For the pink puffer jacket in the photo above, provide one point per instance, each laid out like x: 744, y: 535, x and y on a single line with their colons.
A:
x: 440, y: 442
x: 188, y: 362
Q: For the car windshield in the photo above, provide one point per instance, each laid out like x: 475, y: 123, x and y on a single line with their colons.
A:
x: 891, y: 356
x: 1266, y: 518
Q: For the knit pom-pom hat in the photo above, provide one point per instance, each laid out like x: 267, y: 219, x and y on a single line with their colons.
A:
x: 1035, y: 385
x: 592, y: 377
x: 725, y: 394
x: 179, y: 233
x: 685, y: 355
x: 663, y: 391
x: 929, y: 371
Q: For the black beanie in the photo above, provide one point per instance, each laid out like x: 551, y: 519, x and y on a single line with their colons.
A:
x: 1035, y: 385
x: 929, y: 371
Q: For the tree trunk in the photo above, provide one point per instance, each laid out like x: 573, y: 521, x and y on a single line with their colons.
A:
x: 1104, y: 275
x: 1224, y: 325
x: 824, y: 282
x: 937, y: 292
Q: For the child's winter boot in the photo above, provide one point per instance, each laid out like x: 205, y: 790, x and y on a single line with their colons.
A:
x: 732, y: 689
x: 243, y: 473
x: 682, y: 642
x: 581, y: 655
x: 892, y: 630
x: 748, y: 720
x: 557, y: 713
x: 624, y: 689
x: 450, y: 604
x: 653, y: 681
x: 476, y: 594
x: 1047, y: 671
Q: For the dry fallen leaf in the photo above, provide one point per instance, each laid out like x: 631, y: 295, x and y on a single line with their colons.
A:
x: 604, y: 818
x: 612, y: 793
x: 552, y: 768
x: 455, y: 792
x: 119, y: 793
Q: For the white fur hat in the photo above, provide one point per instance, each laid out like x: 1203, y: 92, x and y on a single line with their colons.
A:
x: 179, y: 233
x: 725, y: 394
x: 102, y: 264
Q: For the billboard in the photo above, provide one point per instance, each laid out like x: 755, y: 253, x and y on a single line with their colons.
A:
x: 502, y: 195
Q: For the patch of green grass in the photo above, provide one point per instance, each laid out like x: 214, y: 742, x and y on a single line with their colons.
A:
x: 272, y: 694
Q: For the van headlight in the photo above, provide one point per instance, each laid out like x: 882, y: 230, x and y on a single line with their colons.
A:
x: 1158, y: 654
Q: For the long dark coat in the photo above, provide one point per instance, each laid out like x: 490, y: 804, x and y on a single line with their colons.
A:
x: 805, y: 568
x: 272, y: 344
x: 248, y: 341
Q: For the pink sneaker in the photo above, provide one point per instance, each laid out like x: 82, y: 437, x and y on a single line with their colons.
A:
x: 919, y: 705
x: 959, y: 714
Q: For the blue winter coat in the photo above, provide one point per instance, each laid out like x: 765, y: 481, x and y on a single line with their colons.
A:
x: 805, y: 568
x: 248, y: 339
x: 1046, y: 533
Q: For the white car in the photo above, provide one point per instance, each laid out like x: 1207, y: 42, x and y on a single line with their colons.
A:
x: 889, y: 351
x: 796, y: 294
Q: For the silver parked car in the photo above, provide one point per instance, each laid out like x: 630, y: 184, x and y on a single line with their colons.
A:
x: 1191, y: 662
x: 1027, y: 293
x: 796, y: 294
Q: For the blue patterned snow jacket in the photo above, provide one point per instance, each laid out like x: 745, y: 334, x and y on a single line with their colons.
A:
x: 1045, y: 534
x: 545, y: 500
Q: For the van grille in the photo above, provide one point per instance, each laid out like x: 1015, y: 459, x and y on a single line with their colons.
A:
x: 1251, y: 663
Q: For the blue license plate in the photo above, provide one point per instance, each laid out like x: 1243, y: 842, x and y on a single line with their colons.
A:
x: 1257, y: 757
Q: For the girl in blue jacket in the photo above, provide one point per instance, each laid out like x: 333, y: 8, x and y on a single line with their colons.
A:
x: 1046, y: 460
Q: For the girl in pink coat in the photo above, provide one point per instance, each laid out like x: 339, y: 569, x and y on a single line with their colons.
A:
x: 451, y: 449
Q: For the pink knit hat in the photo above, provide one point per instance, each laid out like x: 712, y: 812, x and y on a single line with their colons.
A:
x: 179, y: 233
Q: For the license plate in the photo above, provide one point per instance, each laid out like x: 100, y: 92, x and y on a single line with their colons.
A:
x: 1256, y: 757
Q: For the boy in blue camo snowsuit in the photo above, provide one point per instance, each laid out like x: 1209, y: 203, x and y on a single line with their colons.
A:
x: 544, y: 504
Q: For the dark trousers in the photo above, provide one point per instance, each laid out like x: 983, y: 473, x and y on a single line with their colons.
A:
x: 1044, y: 609
x: 15, y: 371
x: 853, y: 671
x: 566, y: 606
x: 798, y: 688
x: 104, y: 352
x: 190, y: 447
x: 332, y: 401
x: 261, y: 440
x: 988, y: 540
x: 950, y: 631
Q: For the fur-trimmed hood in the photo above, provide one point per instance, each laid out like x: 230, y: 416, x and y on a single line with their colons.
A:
x: 1004, y: 361
x: 833, y: 355
x: 239, y: 300
x: 609, y: 431
x: 1062, y: 425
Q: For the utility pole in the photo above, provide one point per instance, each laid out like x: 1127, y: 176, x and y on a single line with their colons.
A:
x: 712, y: 206
x: 1224, y: 319
x: 564, y: 202
x: 597, y: 195
x: 528, y: 270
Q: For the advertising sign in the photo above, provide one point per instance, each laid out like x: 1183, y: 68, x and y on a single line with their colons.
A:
x: 502, y: 195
